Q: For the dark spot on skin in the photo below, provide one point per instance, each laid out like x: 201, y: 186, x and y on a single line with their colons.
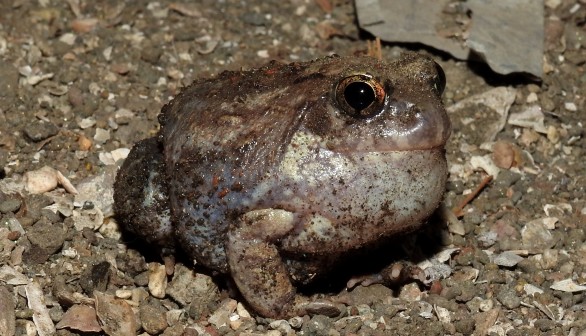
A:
x: 318, y: 123
x: 237, y: 186
x: 223, y: 192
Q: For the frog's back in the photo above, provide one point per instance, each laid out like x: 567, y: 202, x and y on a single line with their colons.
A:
x: 221, y: 135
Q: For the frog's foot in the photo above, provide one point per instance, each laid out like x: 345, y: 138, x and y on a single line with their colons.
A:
x: 393, y: 275
x: 258, y: 270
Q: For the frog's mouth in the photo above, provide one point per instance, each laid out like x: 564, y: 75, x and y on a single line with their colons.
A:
x: 403, y: 126
x: 396, y: 142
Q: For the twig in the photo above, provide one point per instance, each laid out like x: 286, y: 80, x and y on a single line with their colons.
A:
x: 459, y: 210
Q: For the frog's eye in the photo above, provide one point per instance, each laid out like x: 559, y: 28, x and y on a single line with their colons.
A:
x: 439, y: 81
x: 360, y: 96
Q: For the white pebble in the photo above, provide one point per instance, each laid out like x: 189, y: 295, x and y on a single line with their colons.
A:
x: 570, y: 106
x: 263, y: 53
x: 157, y: 280
x: 531, y: 97
x: 46, y: 179
x: 101, y: 135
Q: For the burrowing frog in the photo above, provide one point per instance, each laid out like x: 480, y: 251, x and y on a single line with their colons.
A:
x: 271, y: 175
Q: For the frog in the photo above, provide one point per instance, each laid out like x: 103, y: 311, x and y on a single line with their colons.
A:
x: 273, y: 175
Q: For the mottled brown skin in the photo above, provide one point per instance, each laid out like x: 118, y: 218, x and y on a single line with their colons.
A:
x: 271, y: 175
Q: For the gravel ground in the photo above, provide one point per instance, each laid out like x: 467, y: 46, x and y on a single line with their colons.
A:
x: 81, y: 83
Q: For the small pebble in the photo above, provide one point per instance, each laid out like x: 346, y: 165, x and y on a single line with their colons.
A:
x: 152, y: 318
x: 10, y: 205
x: 570, y: 106
x: 221, y: 317
x: 13, y: 235
x: 411, y: 292
x: 123, y: 293
x: 49, y: 237
x: 157, y: 280
x: 536, y: 237
x: 317, y: 325
x: 509, y: 298
x: 549, y: 258
x: 507, y: 259
x: 101, y: 135
x: 46, y: 179
x: 40, y: 130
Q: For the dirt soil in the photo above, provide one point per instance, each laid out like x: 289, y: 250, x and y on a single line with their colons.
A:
x: 82, y: 81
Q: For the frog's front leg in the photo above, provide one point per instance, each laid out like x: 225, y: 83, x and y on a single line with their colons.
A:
x: 259, y: 271
x: 141, y: 195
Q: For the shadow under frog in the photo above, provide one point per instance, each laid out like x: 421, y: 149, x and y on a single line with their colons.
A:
x: 272, y: 175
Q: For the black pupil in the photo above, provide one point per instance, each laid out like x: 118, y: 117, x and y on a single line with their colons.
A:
x: 359, y: 95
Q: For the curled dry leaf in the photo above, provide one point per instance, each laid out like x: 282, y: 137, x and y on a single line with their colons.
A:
x: 80, y: 317
x: 567, y: 285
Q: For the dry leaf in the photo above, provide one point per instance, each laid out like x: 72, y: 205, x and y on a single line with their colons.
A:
x: 80, y: 317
